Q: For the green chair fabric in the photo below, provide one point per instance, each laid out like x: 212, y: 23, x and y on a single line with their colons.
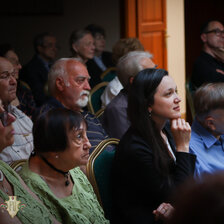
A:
x: 109, y: 74
x: 94, y: 103
x: 99, y: 173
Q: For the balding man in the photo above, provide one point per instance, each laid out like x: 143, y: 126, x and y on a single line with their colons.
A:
x: 115, y: 118
x: 68, y: 83
x: 23, y: 139
x: 209, y: 67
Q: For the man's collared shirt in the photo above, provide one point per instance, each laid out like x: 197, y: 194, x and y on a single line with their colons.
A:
x: 23, y: 138
x: 208, y: 149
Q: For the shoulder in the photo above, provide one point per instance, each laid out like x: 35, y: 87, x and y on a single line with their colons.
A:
x: 20, y: 116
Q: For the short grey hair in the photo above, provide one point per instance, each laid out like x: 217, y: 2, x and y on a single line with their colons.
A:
x: 59, y: 69
x: 207, y: 98
x: 130, y: 65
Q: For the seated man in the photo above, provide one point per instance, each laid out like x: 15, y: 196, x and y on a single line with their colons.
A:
x: 207, y: 136
x: 115, y: 119
x: 122, y: 47
x: 36, y: 71
x: 209, y: 67
x: 68, y: 83
x: 23, y: 144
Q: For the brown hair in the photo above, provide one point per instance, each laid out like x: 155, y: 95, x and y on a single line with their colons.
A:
x: 125, y: 45
x: 209, y: 97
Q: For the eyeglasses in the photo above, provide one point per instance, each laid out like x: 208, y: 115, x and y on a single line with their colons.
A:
x: 6, y: 75
x: 217, y: 32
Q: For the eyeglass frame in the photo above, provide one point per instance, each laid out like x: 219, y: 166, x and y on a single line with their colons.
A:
x: 217, y: 32
x: 8, y: 75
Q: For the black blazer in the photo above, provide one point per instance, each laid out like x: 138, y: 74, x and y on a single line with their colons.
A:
x: 36, y: 75
x: 95, y: 71
x: 137, y: 187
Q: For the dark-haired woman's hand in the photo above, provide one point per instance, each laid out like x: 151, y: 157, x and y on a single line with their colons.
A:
x: 181, y: 131
x: 163, y: 212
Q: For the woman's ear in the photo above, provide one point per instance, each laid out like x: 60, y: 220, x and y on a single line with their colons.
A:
x: 74, y: 46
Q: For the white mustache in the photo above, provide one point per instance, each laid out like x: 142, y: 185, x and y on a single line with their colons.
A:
x: 84, y: 92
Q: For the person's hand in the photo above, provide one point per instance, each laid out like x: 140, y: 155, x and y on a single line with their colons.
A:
x: 163, y: 212
x: 181, y: 131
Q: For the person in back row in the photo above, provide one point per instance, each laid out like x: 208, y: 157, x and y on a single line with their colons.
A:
x: 122, y: 47
x: 35, y: 73
x: 115, y: 119
x: 102, y: 59
x: 207, y: 138
x: 68, y: 82
x: 208, y: 67
x: 23, y: 144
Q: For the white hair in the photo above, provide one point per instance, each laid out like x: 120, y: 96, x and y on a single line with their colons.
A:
x: 59, y: 69
x: 130, y: 65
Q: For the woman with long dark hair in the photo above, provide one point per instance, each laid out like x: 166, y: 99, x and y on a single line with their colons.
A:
x: 150, y: 161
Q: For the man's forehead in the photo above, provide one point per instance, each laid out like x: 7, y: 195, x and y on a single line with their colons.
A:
x: 5, y: 65
x: 78, y: 69
x: 214, y: 25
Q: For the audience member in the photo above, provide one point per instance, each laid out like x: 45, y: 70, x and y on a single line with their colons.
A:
x: 23, y: 144
x: 102, y: 59
x: 147, y: 168
x: 208, y: 67
x: 61, y: 145
x: 122, y: 47
x: 12, y: 185
x: 207, y: 138
x: 115, y: 120
x: 35, y: 73
x: 82, y: 45
x: 200, y: 202
x: 69, y: 87
x: 24, y: 100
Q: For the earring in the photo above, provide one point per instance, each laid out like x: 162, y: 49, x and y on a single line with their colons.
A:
x: 56, y: 156
x: 150, y: 113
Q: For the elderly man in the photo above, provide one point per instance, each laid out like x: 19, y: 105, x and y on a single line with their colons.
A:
x: 209, y: 67
x: 207, y: 136
x: 23, y: 143
x: 68, y: 83
x: 115, y: 119
x: 35, y: 73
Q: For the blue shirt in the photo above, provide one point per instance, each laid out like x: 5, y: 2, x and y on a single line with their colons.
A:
x: 208, y: 149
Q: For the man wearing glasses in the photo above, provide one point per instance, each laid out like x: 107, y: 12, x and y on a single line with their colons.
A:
x: 209, y: 66
x: 23, y: 138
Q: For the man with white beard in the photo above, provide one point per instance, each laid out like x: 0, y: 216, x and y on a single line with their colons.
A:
x: 68, y: 84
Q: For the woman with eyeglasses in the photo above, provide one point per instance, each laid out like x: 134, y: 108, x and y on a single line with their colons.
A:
x: 53, y: 173
x: 31, y: 210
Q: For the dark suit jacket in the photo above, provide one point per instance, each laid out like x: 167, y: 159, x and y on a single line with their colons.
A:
x: 115, y: 119
x: 95, y: 71
x: 36, y: 75
x: 137, y: 187
x: 204, y: 70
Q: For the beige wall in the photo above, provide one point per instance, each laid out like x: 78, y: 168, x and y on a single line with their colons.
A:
x: 176, y: 46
